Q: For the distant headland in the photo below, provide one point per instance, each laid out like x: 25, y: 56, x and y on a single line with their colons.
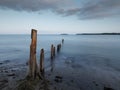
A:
x: 98, y: 34
x: 64, y: 34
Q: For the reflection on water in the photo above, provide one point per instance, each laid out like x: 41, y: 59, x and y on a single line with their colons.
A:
x: 52, y: 61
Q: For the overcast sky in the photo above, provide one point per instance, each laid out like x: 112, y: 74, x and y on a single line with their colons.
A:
x: 59, y: 16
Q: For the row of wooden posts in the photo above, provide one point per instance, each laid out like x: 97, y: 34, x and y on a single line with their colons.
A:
x: 53, y: 49
x: 33, y: 68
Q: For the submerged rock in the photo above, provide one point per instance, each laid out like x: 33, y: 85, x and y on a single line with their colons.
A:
x: 6, y: 71
x: 108, y: 88
x: 13, y: 74
x: 58, y: 79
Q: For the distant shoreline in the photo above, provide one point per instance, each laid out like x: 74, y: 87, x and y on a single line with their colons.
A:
x: 98, y: 34
x: 71, y: 34
x: 64, y: 34
x: 93, y: 34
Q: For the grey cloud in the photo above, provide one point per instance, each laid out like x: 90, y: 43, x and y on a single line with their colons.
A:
x: 100, y: 8
x: 94, y: 9
x: 31, y: 5
x: 90, y: 9
x: 68, y: 12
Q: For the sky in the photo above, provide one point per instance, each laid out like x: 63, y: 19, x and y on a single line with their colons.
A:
x: 59, y: 16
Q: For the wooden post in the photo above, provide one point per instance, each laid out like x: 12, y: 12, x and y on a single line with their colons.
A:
x: 58, y: 47
x: 62, y: 41
x: 42, y: 61
x: 52, y: 50
x: 33, y: 63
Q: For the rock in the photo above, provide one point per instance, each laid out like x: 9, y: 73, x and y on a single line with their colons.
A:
x: 58, y: 79
x: 6, y: 71
x: 11, y: 74
x: 14, y: 77
x: 95, y: 83
x: 108, y: 88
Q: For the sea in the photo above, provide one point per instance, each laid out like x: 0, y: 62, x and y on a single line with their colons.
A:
x: 17, y: 47
x: 94, y: 52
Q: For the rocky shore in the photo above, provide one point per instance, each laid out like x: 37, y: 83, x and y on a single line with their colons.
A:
x: 69, y: 76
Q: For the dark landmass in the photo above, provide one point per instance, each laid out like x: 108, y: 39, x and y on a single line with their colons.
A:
x: 98, y: 34
x: 64, y: 34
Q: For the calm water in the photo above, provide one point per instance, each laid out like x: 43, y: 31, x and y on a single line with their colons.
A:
x: 93, y: 50
x: 84, y: 58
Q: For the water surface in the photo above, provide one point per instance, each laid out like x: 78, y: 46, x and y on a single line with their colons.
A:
x: 90, y: 57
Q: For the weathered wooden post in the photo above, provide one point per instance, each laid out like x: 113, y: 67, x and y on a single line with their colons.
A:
x: 62, y: 41
x: 58, y: 47
x: 52, y: 50
x: 33, y: 63
x: 42, y: 61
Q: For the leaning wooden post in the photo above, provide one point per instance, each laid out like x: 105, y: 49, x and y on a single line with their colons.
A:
x: 33, y: 63
x: 52, y: 49
x: 42, y: 61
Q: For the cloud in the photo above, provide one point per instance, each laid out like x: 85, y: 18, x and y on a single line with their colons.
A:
x: 32, y: 5
x: 100, y: 9
x: 68, y: 12
x: 85, y: 9
x: 93, y: 9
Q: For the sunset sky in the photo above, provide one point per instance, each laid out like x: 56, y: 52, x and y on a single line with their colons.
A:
x: 59, y: 16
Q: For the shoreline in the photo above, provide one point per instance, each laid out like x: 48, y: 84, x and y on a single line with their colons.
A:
x: 11, y: 74
x: 69, y: 76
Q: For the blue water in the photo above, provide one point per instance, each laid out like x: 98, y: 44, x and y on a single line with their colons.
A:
x: 17, y: 46
x: 95, y: 49
x: 91, y: 57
